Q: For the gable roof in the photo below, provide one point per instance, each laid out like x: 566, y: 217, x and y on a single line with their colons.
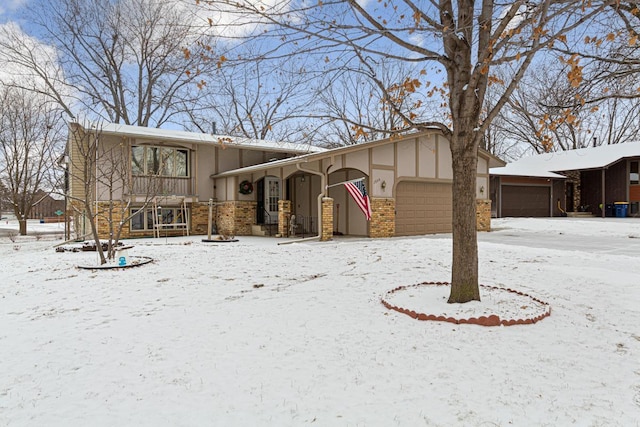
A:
x: 545, y: 165
x: 339, y: 151
x: 200, y: 138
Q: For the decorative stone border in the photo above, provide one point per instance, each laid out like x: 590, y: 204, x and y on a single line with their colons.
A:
x: 492, y: 320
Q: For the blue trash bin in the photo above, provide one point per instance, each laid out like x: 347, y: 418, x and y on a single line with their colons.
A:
x: 621, y: 209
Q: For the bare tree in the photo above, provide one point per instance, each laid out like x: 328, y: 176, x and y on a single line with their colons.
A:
x: 351, y: 104
x: 551, y: 114
x: 259, y: 99
x: 31, y: 140
x: 123, y: 61
x: 102, y: 187
x: 466, y: 41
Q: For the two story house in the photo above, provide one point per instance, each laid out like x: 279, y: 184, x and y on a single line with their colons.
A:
x: 173, y: 177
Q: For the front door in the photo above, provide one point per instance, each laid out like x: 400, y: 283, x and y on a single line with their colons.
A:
x: 271, y: 197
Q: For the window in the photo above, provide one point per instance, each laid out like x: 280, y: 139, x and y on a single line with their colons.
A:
x: 634, y: 176
x: 143, y: 218
x: 163, y: 161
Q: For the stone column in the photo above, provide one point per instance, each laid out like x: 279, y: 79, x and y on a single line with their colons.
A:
x: 483, y: 214
x: 383, y: 218
x: 284, y: 214
x: 200, y: 218
x: 236, y: 218
x: 327, y: 219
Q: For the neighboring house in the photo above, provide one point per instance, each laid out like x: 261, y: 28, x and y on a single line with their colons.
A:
x: 596, y: 180
x: 47, y: 205
x: 288, y: 188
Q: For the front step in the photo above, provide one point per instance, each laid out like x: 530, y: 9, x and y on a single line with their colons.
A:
x: 258, y: 230
x: 264, y: 229
x: 580, y: 214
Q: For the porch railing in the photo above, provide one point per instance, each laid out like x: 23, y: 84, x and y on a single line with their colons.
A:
x: 303, y: 226
x: 163, y: 185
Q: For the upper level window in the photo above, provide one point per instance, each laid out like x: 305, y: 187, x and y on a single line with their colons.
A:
x: 634, y: 176
x: 163, y: 161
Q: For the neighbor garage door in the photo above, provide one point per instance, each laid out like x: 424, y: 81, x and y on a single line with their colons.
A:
x: 423, y: 208
x: 522, y: 200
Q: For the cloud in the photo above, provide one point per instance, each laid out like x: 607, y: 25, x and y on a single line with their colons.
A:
x: 21, y: 55
x: 223, y: 19
x: 9, y: 6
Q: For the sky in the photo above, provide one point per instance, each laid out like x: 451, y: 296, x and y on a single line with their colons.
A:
x: 256, y: 333
x: 9, y: 10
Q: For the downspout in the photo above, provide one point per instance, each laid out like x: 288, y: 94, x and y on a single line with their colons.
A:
x: 323, y: 188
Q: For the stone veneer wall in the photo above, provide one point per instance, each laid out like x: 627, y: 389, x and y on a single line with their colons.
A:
x: 200, y: 218
x: 236, y: 218
x: 383, y: 218
x: 103, y: 220
x: 327, y: 219
x: 483, y: 214
x: 284, y: 215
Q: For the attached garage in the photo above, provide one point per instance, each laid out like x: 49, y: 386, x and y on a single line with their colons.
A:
x: 526, y: 201
x: 423, y: 208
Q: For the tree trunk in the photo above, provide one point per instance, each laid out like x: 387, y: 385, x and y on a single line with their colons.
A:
x: 464, y: 274
x: 23, y: 226
x: 93, y: 218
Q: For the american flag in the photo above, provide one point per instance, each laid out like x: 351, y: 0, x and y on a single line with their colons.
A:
x: 359, y: 193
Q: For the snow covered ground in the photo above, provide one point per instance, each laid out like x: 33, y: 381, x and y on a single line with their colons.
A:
x: 256, y: 333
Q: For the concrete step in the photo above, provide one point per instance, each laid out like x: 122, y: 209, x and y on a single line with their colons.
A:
x: 258, y: 230
x: 580, y: 214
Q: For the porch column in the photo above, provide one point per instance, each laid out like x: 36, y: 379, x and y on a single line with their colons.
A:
x: 327, y: 219
x: 284, y: 215
x: 483, y: 214
x: 383, y: 217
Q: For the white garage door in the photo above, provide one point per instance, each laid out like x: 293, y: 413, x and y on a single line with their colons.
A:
x: 423, y: 208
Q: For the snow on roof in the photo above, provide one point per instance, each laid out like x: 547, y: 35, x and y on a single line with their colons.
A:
x: 203, y: 138
x: 544, y: 165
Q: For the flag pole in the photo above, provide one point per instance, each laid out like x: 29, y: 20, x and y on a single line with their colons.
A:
x: 345, y: 182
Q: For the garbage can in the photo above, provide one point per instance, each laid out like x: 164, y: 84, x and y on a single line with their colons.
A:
x: 610, y: 210
x: 621, y: 209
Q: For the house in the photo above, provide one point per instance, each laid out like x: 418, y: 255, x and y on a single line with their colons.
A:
x: 597, y: 180
x: 159, y: 176
x: 49, y: 206
x: 287, y: 189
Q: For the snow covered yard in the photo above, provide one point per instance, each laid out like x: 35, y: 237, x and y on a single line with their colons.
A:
x: 252, y: 333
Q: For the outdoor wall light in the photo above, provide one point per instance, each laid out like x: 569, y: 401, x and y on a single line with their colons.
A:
x: 482, y: 189
x: 383, y: 184
x: 302, y: 179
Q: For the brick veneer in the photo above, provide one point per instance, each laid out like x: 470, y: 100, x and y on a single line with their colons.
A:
x: 483, y: 214
x: 284, y: 214
x: 383, y: 217
x: 200, y: 218
x: 327, y: 219
x: 103, y: 220
x: 236, y: 218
